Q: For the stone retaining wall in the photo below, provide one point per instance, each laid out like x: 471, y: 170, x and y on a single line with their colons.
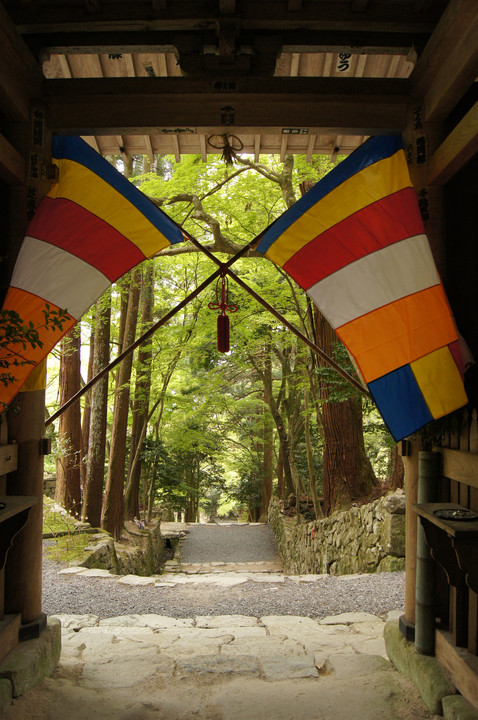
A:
x: 367, y: 539
x: 141, y: 556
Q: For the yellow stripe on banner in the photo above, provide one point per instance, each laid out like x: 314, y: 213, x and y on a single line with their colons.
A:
x: 365, y: 187
x: 87, y: 189
x: 440, y: 382
x: 37, y: 378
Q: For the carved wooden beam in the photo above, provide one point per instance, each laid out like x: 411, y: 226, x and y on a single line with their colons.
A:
x: 138, y: 105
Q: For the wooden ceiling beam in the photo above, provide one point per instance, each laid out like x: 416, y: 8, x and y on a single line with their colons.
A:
x: 124, y: 105
x: 449, y: 64
x: 12, y: 164
x: 200, y: 15
x: 294, y: 41
x: 21, y: 79
x: 459, y: 147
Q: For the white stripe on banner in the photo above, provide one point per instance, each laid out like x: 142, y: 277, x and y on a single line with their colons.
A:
x: 375, y: 280
x: 57, y: 276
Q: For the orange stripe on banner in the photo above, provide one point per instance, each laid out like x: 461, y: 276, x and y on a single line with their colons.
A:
x: 399, y: 333
x: 30, y: 308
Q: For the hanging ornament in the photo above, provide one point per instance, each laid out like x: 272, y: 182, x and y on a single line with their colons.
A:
x: 222, y: 304
x: 229, y: 144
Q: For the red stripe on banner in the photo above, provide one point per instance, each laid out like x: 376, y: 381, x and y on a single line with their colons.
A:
x: 382, y: 223
x: 458, y: 357
x: 70, y: 227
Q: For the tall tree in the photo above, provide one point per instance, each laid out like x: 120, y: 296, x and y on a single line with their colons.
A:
x: 85, y: 420
x: 68, y: 488
x: 348, y: 474
x: 95, y: 464
x: 112, y: 512
x: 142, y: 395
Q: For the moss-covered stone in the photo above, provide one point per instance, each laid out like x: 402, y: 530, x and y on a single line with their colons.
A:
x: 391, y: 564
x: 141, y: 555
x: 455, y: 707
x: 33, y: 660
x: 426, y: 672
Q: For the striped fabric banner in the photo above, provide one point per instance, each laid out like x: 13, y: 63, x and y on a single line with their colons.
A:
x: 356, y: 244
x: 91, y: 228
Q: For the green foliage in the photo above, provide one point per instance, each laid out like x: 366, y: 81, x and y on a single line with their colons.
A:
x: 16, y: 336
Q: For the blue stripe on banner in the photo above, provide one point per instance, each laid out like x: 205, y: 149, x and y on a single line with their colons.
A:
x: 74, y: 148
x: 375, y: 149
x: 400, y: 402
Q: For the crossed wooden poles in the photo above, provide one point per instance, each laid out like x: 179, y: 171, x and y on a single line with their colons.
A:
x: 223, y: 268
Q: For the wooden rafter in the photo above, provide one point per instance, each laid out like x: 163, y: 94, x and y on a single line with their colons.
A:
x: 257, y: 147
x: 310, y: 147
x: 149, y: 147
x: 283, y: 147
x: 176, y: 149
x: 203, y: 146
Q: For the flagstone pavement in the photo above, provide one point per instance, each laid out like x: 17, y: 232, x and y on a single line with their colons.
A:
x: 229, y: 667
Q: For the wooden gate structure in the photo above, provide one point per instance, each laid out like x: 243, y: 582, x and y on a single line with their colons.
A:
x: 282, y: 76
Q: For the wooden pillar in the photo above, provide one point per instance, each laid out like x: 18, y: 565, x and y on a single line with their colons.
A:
x: 410, y: 461
x: 420, y: 140
x: 23, y: 571
x: 26, y: 415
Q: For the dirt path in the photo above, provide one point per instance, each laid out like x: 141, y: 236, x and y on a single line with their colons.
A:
x: 230, y: 543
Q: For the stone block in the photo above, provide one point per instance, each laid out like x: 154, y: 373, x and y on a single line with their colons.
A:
x: 455, y: 707
x: 5, y: 695
x: 349, y: 618
x: 274, y: 667
x: 76, y: 622
x: 426, y: 672
x: 225, y: 621
x: 219, y: 665
x: 33, y: 660
x: 136, y: 580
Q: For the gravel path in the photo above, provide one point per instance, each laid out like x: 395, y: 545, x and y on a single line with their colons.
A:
x: 376, y: 593
x: 228, y: 543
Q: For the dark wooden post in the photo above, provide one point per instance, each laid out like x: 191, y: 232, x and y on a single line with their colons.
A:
x: 23, y: 572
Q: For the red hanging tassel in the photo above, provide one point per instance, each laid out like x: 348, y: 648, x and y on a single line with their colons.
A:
x: 222, y: 304
x: 223, y: 333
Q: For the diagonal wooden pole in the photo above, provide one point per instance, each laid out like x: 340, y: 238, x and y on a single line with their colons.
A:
x: 225, y: 269
x: 131, y: 348
x: 165, y: 319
